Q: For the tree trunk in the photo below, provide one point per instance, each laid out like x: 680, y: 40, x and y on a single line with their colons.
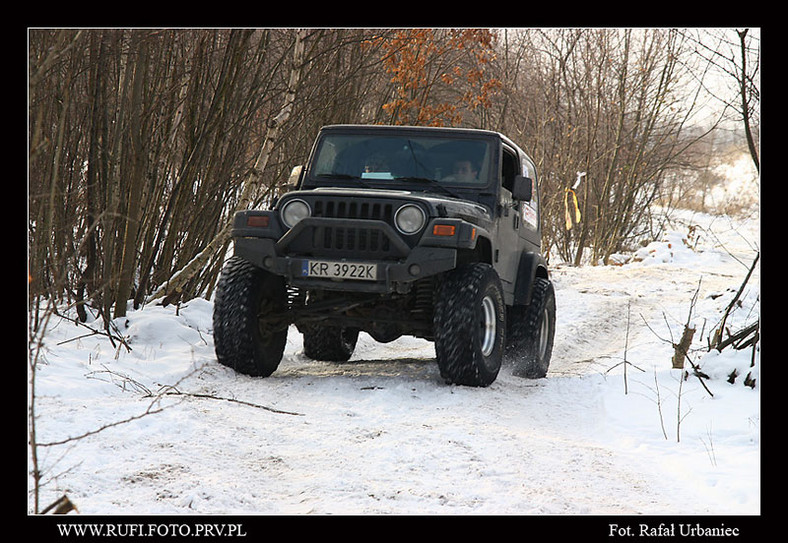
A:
x: 137, y: 159
x: 745, y: 106
x: 87, y: 280
x: 681, y: 349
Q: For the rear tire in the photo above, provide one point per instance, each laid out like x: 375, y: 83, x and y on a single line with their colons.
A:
x: 329, y: 343
x: 470, y: 326
x: 532, y: 330
x: 247, y: 335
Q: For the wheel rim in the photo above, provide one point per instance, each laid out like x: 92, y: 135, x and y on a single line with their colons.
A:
x: 544, y: 334
x: 488, y: 326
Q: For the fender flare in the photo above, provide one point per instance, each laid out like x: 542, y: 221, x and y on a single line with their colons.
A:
x: 532, y: 265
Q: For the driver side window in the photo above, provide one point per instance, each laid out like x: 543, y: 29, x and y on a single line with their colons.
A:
x: 509, y: 168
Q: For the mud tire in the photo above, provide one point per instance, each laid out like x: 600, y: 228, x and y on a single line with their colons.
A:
x: 470, y: 319
x: 242, y: 341
x: 329, y: 343
x: 532, y: 331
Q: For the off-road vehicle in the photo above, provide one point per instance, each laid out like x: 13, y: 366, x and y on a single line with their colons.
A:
x: 427, y: 232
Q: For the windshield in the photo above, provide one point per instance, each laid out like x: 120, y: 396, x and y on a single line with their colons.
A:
x: 392, y: 160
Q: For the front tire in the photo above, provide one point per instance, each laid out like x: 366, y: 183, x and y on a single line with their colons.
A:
x: 470, y: 326
x: 248, y: 336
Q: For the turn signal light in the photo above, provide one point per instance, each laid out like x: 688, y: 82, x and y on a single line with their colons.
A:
x: 443, y: 230
x: 257, y: 221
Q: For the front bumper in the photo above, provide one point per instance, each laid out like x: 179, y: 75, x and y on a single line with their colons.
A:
x: 422, y: 262
x: 398, y: 264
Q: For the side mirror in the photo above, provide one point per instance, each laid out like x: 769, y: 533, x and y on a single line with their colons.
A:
x: 295, y: 178
x: 523, y: 188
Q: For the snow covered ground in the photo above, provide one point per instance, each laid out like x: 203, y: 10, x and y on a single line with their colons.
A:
x: 383, y: 434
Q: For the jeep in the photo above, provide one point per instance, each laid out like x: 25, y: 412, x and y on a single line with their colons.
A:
x: 392, y: 231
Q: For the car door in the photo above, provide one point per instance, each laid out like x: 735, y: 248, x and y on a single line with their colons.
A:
x: 509, y: 240
x: 530, y: 231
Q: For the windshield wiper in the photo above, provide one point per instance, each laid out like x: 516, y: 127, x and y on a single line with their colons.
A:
x: 344, y: 177
x: 431, y: 182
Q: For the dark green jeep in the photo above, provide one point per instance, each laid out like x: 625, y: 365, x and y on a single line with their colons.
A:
x: 428, y: 232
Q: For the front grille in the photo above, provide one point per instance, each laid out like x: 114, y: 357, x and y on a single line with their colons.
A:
x: 340, y: 209
x: 350, y: 239
x: 339, y: 227
x: 341, y: 238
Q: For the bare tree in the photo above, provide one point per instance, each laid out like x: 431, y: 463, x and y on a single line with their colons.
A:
x: 605, y: 102
x: 251, y: 183
x: 130, y: 132
x: 736, y: 56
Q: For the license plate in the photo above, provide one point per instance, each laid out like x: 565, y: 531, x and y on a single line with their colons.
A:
x: 330, y: 269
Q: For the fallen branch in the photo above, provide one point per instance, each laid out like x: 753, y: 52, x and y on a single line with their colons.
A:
x: 743, y: 338
x: 93, y: 332
x: 699, y: 374
x: 149, y: 411
x: 124, y: 380
x: 717, y: 340
x: 232, y: 400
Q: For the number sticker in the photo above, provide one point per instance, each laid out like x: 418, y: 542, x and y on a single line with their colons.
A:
x: 339, y: 270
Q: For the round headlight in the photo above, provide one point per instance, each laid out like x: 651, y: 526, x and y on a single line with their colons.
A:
x: 409, y: 219
x: 293, y: 211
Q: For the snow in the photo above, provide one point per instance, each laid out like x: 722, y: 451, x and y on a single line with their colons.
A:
x: 612, y: 430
